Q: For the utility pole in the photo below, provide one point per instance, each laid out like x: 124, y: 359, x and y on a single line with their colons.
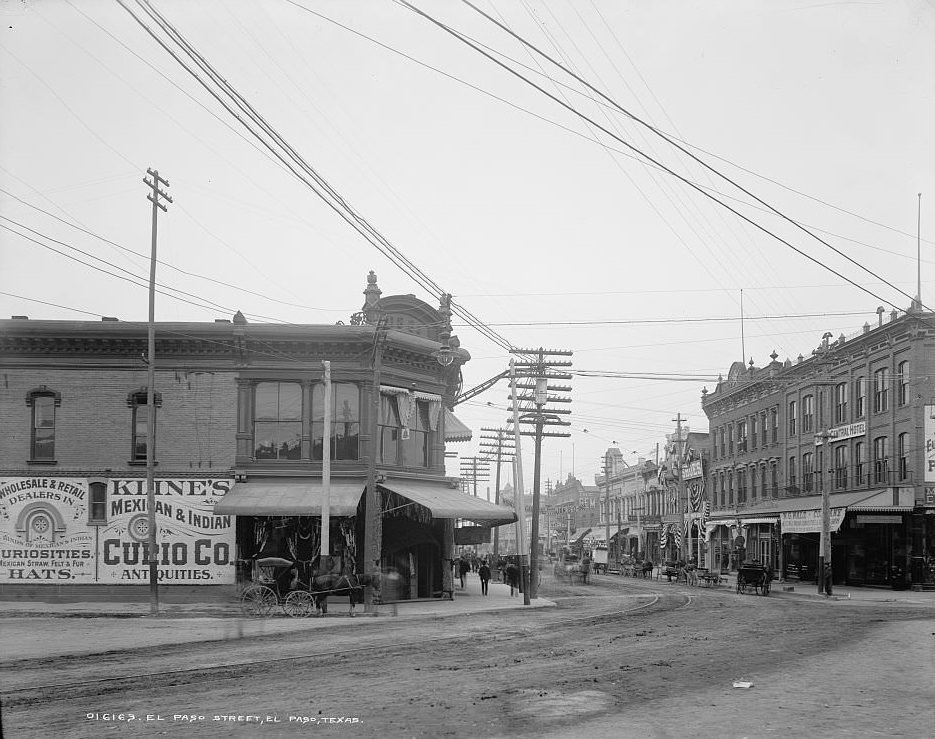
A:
x: 541, y: 370
x: 153, y: 553
x: 501, y: 446
x: 518, y: 497
x: 684, y: 539
x: 474, y: 469
x: 373, y: 517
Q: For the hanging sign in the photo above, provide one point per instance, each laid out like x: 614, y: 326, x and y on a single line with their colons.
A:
x: 808, y: 522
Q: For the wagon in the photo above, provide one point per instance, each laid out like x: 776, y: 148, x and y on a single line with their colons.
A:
x: 754, y: 576
x: 275, y: 582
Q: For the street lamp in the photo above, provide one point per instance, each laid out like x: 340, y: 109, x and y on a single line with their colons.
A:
x: 824, y: 546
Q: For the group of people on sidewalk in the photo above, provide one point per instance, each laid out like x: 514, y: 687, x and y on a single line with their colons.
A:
x: 509, y: 572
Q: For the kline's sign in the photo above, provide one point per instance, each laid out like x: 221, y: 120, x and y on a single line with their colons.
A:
x: 46, y: 535
x: 193, y: 545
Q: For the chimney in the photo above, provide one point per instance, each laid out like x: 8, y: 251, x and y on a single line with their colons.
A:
x: 19, y: 318
x: 880, y: 311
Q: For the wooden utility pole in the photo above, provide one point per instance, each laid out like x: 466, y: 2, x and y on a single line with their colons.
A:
x: 683, y: 544
x: 373, y: 516
x: 326, y: 469
x: 540, y: 371
x: 153, y: 551
x: 502, y: 447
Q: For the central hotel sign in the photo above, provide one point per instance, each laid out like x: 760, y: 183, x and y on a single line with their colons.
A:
x: 848, y: 431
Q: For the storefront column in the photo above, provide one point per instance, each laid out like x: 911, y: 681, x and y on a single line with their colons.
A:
x: 448, y: 548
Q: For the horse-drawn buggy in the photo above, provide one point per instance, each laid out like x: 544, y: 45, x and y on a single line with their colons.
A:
x: 754, y: 575
x: 636, y: 568
x: 300, y: 588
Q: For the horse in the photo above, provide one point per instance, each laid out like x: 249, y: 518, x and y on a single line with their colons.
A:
x: 647, y: 569
x: 324, y: 580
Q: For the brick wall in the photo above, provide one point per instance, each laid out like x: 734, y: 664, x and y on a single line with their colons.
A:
x: 195, y: 428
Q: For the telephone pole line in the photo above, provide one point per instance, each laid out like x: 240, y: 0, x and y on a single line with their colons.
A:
x: 501, y: 446
x: 540, y: 370
x: 151, y: 394
x: 474, y: 469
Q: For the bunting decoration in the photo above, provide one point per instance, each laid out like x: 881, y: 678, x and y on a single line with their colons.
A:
x: 677, y: 530
x: 664, y: 537
x: 703, y: 518
x: 695, y: 489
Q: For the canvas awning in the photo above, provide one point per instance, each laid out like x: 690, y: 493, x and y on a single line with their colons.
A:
x: 447, y: 502
x: 455, y: 430
x: 290, y: 498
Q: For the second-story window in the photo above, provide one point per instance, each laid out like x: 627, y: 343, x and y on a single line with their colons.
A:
x: 730, y: 488
x: 840, y: 403
x: 808, y: 413
x: 730, y: 439
x: 774, y: 424
x: 790, y: 479
x: 741, y: 437
x: 793, y: 417
x: 753, y: 476
x: 345, y: 420
x: 880, y: 459
x: 278, y: 420
x: 840, y: 466
x: 774, y: 479
x: 42, y: 427
x: 389, y: 430
x: 859, y: 463
x: 902, y: 389
x: 139, y: 423
x: 807, y: 471
x: 753, y: 432
x: 902, y: 452
x: 881, y: 383
x: 723, y: 447
x: 763, y: 430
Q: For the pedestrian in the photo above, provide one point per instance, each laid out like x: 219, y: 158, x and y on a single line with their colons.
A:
x: 512, y: 577
x: 463, y: 569
x: 484, y: 572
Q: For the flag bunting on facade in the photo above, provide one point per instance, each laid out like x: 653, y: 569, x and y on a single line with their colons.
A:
x: 664, y: 537
x: 678, y: 536
x: 694, y: 494
x: 703, y: 517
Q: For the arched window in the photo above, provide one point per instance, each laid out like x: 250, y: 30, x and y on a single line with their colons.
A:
x: 43, y: 403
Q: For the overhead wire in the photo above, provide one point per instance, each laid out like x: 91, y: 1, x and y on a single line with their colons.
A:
x: 666, y: 138
x: 270, y: 138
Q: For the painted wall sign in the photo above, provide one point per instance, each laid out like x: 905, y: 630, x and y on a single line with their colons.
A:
x: 194, y: 546
x: 45, y: 535
x: 809, y: 522
x: 44, y: 532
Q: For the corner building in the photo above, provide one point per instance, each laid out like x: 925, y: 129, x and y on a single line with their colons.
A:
x: 855, y: 419
x: 239, y: 444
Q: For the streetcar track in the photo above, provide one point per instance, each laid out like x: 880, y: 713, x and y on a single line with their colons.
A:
x: 30, y: 694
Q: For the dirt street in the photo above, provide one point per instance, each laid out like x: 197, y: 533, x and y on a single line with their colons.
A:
x: 618, y: 657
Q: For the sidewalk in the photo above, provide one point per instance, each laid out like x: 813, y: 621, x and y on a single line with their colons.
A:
x: 36, y: 629
x: 806, y: 589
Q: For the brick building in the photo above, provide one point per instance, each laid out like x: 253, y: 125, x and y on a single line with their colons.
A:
x: 855, y: 418
x: 239, y: 448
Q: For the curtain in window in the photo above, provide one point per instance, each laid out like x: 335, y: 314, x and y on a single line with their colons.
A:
x: 435, y: 407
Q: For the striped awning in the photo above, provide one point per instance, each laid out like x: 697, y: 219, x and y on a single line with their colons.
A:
x: 455, y: 430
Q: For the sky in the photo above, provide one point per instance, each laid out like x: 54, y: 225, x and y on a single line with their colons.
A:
x: 557, y: 217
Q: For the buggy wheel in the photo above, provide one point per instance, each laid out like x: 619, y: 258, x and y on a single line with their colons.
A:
x: 257, y: 600
x: 298, y: 604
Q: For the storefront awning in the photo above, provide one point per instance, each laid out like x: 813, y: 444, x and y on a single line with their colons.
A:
x: 455, y: 430
x: 446, y: 502
x: 761, y: 519
x: 290, y: 498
